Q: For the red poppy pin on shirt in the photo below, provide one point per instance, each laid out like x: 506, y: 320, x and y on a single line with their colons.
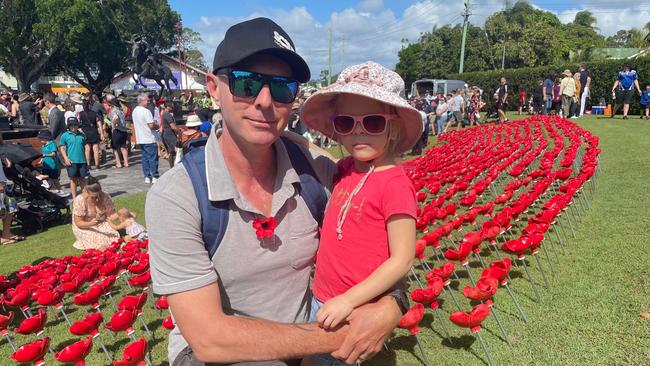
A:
x: 264, y: 228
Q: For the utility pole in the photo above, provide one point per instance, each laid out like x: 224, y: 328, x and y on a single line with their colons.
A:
x: 466, y: 14
x: 329, y: 56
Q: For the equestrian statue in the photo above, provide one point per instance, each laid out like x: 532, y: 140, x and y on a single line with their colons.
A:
x: 147, y: 66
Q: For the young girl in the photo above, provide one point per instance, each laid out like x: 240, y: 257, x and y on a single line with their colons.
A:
x: 368, y: 236
x: 128, y: 223
x: 645, y: 102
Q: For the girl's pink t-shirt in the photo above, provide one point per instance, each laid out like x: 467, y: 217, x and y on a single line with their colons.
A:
x: 341, y: 264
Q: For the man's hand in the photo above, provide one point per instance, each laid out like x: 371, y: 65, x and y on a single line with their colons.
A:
x: 370, y: 326
x: 333, y: 312
x: 67, y: 162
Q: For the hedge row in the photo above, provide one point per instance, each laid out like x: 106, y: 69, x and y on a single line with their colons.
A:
x: 603, y: 75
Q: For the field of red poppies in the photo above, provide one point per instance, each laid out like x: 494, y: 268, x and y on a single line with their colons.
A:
x: 500, y: 206
x: 493, y: 200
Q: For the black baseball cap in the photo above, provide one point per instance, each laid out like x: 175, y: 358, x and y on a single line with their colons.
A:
x: 259, y: 35
x: 44, y: 135
x: 72, y: 121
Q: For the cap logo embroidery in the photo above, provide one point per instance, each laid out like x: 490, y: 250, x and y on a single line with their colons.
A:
x: 281, y: 41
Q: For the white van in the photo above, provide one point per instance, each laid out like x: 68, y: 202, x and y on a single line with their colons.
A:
x: 435, y: 86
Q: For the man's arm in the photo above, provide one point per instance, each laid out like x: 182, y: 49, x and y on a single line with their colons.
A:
x: 236, y: 339
x: 66, y: 160
x: 588, y: 81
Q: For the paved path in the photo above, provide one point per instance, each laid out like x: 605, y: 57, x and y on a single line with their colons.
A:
x: 123, y: 181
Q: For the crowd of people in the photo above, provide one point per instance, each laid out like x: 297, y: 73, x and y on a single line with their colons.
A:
x: 76, y: 130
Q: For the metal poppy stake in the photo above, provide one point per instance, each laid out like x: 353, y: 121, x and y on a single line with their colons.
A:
x: 522, y: 257
x: 5, y: 320
x: 535, y: 251
x: 59, y: 307
x: 473, y: 321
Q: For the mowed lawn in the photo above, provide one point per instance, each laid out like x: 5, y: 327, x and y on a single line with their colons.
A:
x: 589, y: 316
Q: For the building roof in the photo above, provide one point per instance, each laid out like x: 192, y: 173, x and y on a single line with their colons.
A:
x: 616, y: 53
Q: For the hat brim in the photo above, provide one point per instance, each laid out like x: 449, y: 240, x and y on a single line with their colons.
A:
x: 318, y: 109
x: 299, y: 69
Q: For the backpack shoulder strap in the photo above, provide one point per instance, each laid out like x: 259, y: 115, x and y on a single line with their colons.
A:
x: 214, y: 215
x: 311, y: 188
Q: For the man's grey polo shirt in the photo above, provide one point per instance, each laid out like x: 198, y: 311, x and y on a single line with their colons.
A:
x: 267, y: 278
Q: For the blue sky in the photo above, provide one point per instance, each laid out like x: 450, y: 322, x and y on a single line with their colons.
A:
x: 374, y: 29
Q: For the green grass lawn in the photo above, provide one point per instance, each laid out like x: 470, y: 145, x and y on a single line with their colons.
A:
x: 589, y: 316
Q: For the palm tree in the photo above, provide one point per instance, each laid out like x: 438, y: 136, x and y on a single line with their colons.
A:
x: 587, y: 19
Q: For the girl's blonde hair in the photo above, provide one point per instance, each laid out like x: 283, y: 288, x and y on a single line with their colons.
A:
x: 127, y: 213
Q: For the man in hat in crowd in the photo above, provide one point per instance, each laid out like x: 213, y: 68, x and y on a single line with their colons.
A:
x: 567, y: 92
x: 623, y: 88
x: 252, y: 293
x: 27, y: 109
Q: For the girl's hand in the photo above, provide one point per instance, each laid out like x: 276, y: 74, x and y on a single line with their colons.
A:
x: 334, y: 312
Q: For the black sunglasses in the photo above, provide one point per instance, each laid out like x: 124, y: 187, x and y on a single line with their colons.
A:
x: 248, y: 84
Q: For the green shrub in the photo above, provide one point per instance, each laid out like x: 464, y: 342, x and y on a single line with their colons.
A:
x: 603, y: 75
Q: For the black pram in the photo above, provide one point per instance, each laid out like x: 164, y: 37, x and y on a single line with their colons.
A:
x: 36, y: 206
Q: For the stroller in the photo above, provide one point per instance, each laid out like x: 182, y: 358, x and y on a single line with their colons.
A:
x: 36, y: 207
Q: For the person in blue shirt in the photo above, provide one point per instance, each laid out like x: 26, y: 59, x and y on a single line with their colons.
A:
x: 645, y: 102
x: 72, y: 148
x: 50, y: 161
x: 204, y: 116
x: 623, y: 88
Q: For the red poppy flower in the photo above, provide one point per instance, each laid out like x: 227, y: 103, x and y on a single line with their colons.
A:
x: 472, y: 319
x: 70, y: 286
x: 133, y: 301
x: 141, y: 280
x: 5, y: 320
x: 133, y: 354
x: 75, y: 353
x: 461, y: 254
x: 444, y: 272
x: 89, y: 297
x: 430, y: 294
x: 485, y: 288
x: 517, y: 246
x: 168, y: 323
x: 420, y: 246
x: 122, y: 320
x: 32, y: 352
x: 88, y: 325
x: 498, y: 270
x: 19, y: 298
x: 34, y: 324
x: 412, y: 318
x: 264, y: 228
x: 162, y: 303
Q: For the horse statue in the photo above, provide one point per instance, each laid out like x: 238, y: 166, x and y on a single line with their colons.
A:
x: 147, y: 66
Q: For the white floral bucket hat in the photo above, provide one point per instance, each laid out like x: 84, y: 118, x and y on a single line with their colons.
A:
x: 370, y: 80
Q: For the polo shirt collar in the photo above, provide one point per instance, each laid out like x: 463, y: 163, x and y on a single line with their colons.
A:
x: 221, y: 186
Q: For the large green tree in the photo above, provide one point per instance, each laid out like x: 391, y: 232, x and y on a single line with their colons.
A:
x: 97, y: 40
x: 190, y: 46
x: 30, y: 35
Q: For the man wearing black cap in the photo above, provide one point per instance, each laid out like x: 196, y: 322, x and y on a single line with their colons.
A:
x: 249, y: 300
